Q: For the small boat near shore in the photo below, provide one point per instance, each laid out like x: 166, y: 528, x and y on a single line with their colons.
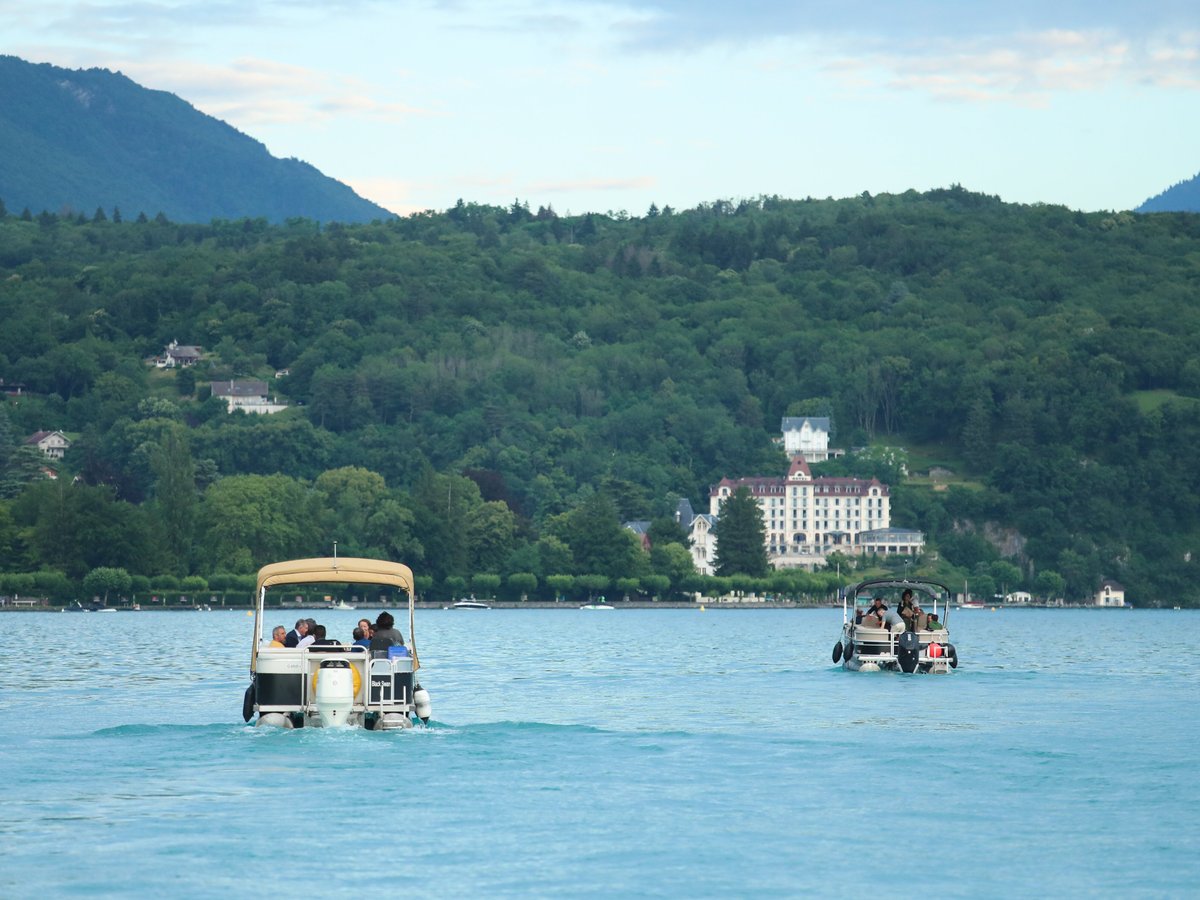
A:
x: 467, y: 604
x: 597, y: 606
x: 334, y: 685
x: 76, y: 606
x: 871, y: 642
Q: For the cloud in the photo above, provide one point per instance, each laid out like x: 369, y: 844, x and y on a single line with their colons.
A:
x: 666, y: 23
x: 1028, y: 69
x: 253, y: 91
x: 1018, y: 51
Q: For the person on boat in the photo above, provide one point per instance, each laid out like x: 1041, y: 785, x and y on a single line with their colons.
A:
x: 360, y: 638
x: 320, y: 639
x: 367, y: 628
x: 873, y: 616
x: 309, y: 637
x: 907, y: 610
x: 893, y: 621
x: 920, y: 619
x: 933, y: 624
x: 293, y: 637
x: 278, y: 636
x: 386, y: 633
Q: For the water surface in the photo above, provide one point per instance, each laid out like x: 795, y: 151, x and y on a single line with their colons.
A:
x: 656, y: 753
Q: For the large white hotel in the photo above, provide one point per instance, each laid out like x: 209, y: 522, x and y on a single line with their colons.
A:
x: 807, y: 518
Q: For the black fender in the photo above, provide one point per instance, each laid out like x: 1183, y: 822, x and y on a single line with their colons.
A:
x: 248, y: 703
x: 837, y: 652
x: 953, y: 656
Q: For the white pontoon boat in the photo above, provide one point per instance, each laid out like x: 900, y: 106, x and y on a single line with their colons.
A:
x: 334, y: 685
x: 868, y: 644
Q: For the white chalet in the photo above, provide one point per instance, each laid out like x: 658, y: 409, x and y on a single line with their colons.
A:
x: 53, y: 444
x: 807, y: 436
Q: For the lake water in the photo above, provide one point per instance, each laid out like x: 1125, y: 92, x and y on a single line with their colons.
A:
x: 639, y: 753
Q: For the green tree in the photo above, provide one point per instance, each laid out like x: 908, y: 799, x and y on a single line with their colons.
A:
x: 741, y: 537
x: 247, y: 521
x: 485, y: 584
x: 597, y: 540
x: 102, y: 581
x: 1049, y: 584
x: 522, y: 583
x: 175, y: 499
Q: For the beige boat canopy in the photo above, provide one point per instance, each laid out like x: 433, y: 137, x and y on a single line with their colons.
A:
x: 332, y: 570
x: 335, y: 570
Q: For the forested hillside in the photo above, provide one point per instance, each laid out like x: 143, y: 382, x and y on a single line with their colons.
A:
x: 88, y: 139
x: 489, y: 391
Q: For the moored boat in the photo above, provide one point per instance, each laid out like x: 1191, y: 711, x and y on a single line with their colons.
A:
x: 468, y: 604
x: 334, y: 685
x: 876, y: 636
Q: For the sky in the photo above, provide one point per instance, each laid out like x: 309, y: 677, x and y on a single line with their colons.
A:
x: 597, y: 106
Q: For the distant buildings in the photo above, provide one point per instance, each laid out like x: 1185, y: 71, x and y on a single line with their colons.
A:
x: 807, y: 436
x: 1110, y: 593
x: 807, y: 518
x: 249, y: 396
x: 53, y: 444
x: 804, y: 519
x: 178, y: 355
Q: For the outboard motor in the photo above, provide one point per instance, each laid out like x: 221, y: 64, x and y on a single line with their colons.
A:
x: 334, y: 692
x: 908, y: 651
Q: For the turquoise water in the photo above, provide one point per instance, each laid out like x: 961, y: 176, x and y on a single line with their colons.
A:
x: 655, y: 753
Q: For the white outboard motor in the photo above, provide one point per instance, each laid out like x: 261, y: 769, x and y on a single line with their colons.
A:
x: 335, y: 692
x: 422, y: 705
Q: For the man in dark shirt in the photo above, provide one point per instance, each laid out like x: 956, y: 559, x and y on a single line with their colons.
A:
x: 293, y: 636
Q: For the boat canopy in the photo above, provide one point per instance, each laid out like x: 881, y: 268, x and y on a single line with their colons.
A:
x: 335, y: 570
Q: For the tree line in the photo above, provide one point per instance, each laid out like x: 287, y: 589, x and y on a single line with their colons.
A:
x: 499, y: 370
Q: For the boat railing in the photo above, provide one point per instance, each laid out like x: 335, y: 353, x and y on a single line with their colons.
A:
x: 383, y: 684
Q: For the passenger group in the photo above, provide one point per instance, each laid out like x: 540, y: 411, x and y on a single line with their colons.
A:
x: 376, y: 637
x: 909, y: 614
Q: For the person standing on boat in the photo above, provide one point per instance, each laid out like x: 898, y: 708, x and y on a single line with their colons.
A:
x: 293, y: 637
x: 908, y: 610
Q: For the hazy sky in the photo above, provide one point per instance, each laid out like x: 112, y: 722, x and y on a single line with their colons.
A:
x: 598, y: 106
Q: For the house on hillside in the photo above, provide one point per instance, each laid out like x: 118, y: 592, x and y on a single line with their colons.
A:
x: 701, y: 540
x: 177, y: 355
x: 248, y: 396
x: 1110, y: 593
x: 807, y: 436
x: 53, y: 444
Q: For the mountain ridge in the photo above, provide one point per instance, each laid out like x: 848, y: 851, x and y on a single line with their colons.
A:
x: 82, y: 139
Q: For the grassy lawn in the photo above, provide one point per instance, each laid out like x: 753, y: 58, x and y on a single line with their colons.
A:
x: 1148, y: 401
